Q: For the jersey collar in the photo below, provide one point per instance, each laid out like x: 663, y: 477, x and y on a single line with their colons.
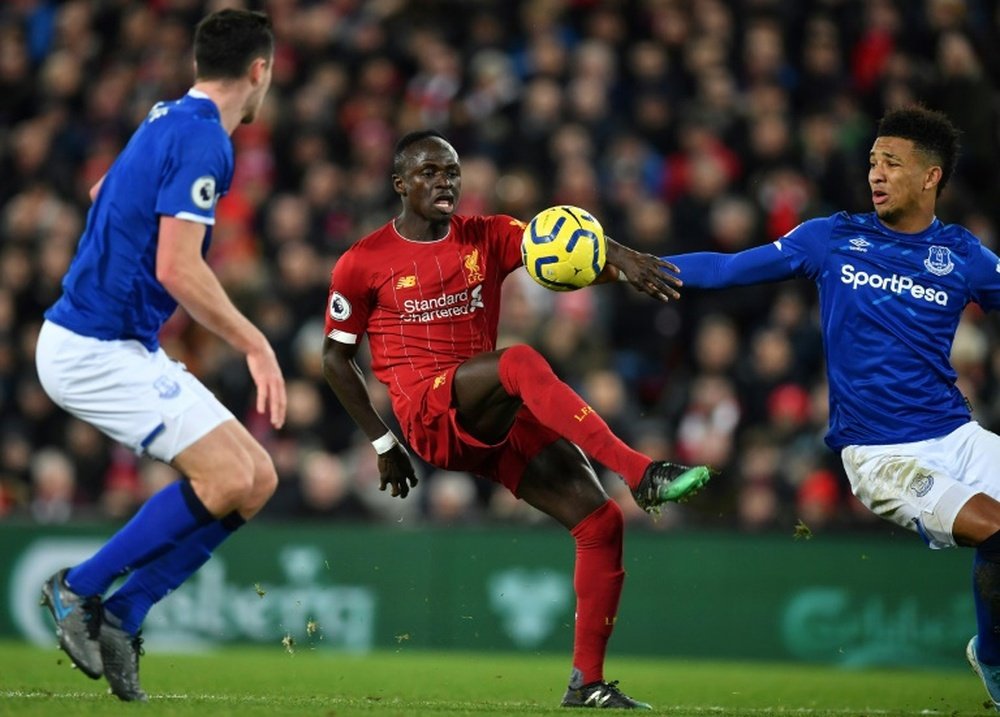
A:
x: 934, y: 226
x: 199, y: 95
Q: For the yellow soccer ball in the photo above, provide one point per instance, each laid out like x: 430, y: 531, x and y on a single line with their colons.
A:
x: 564, y: 248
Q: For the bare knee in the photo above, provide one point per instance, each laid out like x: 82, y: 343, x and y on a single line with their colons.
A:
x: 226, y: 484
x: 265, y: 482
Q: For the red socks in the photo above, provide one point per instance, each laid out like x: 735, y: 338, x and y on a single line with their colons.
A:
x: 525, y: 374
x: 598, y: 582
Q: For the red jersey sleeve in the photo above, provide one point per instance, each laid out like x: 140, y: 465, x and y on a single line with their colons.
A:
x: 349, y: 300
x: 505, y: 233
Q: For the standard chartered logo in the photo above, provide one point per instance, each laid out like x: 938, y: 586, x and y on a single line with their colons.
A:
x: 895, y: 284
x: 445, y: 306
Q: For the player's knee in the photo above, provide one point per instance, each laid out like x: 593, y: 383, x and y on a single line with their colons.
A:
x: 265, y: 478
x: 604, y: 526
x: 522, y: 354
x: 615, y: 520
x: 234, y: 480
x: 519, y: 362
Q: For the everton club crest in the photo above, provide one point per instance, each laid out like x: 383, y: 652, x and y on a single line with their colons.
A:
x: 938, y: 261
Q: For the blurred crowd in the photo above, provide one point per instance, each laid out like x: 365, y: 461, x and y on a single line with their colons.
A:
x: 681, y: 124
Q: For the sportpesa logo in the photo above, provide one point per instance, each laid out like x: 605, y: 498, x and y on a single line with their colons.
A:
x: 895, y: 284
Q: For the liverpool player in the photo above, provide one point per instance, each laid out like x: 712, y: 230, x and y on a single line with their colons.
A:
x: 426, y: 290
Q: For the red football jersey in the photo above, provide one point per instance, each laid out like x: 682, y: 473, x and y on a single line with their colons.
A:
x: 426, y: 306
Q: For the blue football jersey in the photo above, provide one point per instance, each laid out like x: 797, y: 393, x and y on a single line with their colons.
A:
x: 890, y: 304
x: 178, y: 163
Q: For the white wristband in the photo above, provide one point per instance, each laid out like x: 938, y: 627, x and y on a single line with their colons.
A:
x: 385, y: 443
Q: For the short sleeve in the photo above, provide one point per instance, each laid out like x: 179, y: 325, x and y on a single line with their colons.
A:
x: 348, y: 303
x: 506, y: 232
x: 197, y: 171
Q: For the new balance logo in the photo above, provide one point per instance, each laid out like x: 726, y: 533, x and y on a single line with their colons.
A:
x: 598, y: 698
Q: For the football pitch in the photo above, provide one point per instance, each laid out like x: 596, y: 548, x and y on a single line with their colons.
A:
x: 276, y: 682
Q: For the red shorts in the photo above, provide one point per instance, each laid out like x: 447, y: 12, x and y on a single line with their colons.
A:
x: 433, y: 432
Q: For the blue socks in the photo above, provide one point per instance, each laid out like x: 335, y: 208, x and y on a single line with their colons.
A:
x: 166, y: 519
x: 154, y: 581
x: 986, y: 592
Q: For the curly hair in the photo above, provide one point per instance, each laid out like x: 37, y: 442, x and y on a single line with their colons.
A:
x: 931, y: 132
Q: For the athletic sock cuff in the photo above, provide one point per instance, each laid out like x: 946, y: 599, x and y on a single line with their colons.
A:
x: 232, y: 521
x: 194, y: 504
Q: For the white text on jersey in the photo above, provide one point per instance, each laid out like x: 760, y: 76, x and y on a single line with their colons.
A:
x: 444, y: 306
x: 895, y: 283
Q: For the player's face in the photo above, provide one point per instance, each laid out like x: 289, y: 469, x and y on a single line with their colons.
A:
x: 899, y: 179
x: 432, y: 181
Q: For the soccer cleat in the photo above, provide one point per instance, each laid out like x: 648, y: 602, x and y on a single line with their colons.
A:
x: 601, y: 695
x: 665, y: 482
x: 989, y: 675
x: 78, y: 622
x: 120, y: 652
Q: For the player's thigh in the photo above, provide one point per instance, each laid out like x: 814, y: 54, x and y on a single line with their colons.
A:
x: 227, y: 450
x: 976, y: 454
x: 921, y: 486
x: 142, y: 399
x: 482, y: 405
x: 560, y: 482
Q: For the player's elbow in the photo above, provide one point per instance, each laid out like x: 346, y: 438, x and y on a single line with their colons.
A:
x: 171, y: 278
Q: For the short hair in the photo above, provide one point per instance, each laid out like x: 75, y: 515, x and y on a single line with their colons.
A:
x: 228, y: 41
x: 408, y: 139
x: 931, y: 133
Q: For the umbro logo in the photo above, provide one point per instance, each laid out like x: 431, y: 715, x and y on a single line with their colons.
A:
x: 859, y: 244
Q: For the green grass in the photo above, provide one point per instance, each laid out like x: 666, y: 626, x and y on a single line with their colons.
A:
x: 272, y: 682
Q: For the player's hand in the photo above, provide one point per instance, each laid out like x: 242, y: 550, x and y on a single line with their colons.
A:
x: 647, y: 273
x: 266, y: 375
x: 395, y: 469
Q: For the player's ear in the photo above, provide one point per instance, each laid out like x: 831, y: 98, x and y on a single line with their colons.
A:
x: 398, y: 186
x: 258, y: 70
x: 932, y: 177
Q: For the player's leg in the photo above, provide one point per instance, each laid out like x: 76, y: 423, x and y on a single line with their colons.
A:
x: 228, y: 449
x: 150, y: 583
x: 559, y: 481
x: 977, y: 524
x: 490, y: 388
x: 150, y: 404
x: 946, y: 489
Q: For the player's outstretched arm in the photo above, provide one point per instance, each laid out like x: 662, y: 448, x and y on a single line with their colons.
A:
x: 645, y: 272
x: 183, y: 272
x: 348, y: 383
x: 712, y: 270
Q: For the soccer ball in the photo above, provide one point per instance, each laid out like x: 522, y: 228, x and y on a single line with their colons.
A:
x: 563, y: 248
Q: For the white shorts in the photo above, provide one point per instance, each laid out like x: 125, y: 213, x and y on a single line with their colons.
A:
x: 146, y: 401
x: 923, y: 485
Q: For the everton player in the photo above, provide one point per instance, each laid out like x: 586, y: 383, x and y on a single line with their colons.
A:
x: 892, y: 287
x: 98, y: 357
x: 425, y: 288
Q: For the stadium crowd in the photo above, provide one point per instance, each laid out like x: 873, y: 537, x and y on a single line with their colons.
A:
x: 681, y: 124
